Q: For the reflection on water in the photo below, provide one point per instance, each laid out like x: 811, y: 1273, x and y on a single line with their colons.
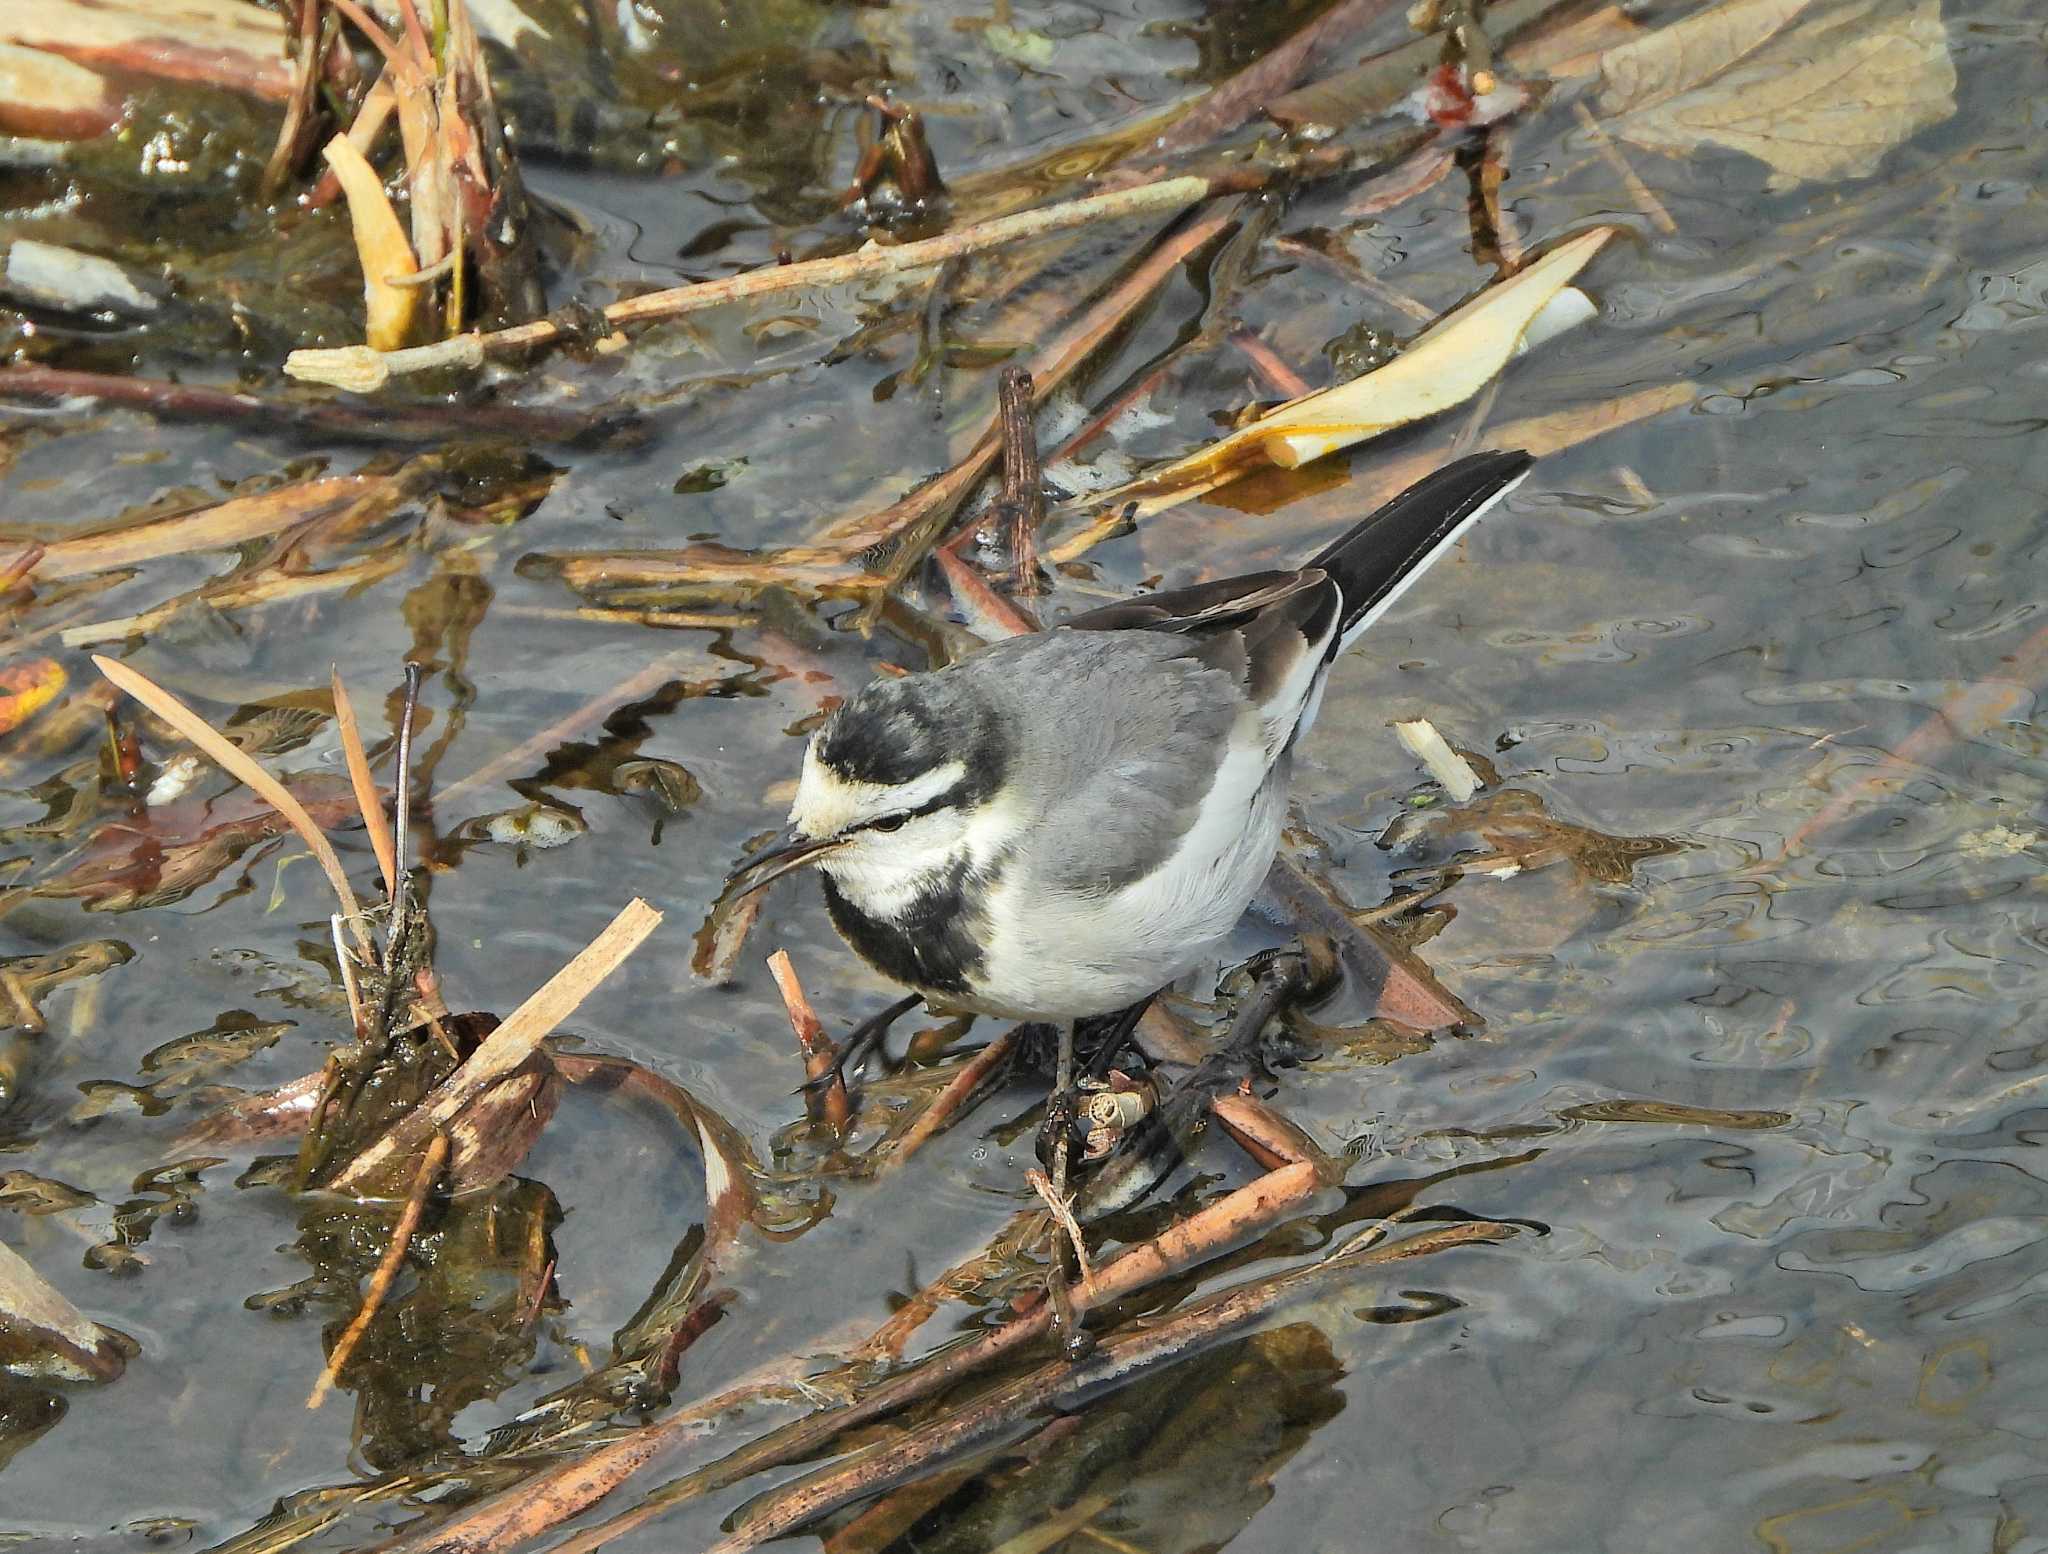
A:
x: 1752, y: 921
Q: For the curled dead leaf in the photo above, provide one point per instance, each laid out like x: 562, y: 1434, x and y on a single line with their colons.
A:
x: 381, y: 247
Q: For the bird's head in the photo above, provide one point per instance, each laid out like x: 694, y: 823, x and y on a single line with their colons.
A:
x: 901, y: 781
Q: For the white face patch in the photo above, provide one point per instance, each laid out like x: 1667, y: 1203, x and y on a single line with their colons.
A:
x: 883, y: 871
x: 827, y: 803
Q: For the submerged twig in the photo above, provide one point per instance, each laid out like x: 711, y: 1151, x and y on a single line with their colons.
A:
x: 947, y: 1103
x: 387, y: 1268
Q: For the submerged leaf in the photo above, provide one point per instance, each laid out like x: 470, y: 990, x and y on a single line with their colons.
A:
x: 42, y: 1334
x: 1647, y: 71
x: 1824, y: 99
x: 26, y: 689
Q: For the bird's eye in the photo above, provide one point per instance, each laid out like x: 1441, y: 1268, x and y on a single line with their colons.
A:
x: 888, y: 823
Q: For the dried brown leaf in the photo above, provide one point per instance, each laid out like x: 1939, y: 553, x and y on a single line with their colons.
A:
x: 1642, y: 73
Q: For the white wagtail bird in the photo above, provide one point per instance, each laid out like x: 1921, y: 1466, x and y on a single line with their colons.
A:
x: 1063, y: 824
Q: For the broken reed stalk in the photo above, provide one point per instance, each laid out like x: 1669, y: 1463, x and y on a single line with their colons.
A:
x: 364, y: 370
x: 1266, y: 1135
x: 566, y: 1490
x: 387, y: 1267
x: 245, y: 770
x: 1540, y: 435
x: 368, y: 800
x: 235, y: 521
x: 505, y: 1048
x: 829, y: 1105
x: 988, y: 613
x: 1118, y: 1361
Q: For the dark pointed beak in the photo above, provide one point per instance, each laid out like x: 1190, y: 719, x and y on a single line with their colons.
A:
x: 787, y: 852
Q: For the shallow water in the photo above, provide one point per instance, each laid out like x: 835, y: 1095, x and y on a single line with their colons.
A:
x: 1768, y: 1101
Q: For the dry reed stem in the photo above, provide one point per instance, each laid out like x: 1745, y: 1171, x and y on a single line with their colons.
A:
x: 244, y: 769
x: 387, y: 1267
x: 567, y: 1491
x: 829, y: 1105
x: 1120, y: 1359
x: 369, y: 369
x: 989, y: 614
x: 368, y: 799
x: 508, y: 1046
x: 949, y: 1100
x: 232, y: 522
x: 1540, y: 435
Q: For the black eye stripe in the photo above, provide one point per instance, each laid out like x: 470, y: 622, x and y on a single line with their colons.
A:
x: 896, y: 822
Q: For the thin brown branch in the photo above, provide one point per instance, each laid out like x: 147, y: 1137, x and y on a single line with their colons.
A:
x: 368, y: 799
x: 947, y: 1103
x: 572, y: 1488
x: 365, y: 370
x: 1118, y: 1361
x: 828, y: 1105
x: 387, y: 1267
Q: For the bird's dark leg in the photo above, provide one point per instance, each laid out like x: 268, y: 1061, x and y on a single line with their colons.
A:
x: 1105, y: 1037
x: 857, y: 1048
x: 1151, y: 1152
x: 1059, y: 1119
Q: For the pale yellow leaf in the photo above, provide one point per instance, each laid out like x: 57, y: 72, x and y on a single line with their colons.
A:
x: 1824, y: 99
x: 381, y: 247
x: 1444, y: 366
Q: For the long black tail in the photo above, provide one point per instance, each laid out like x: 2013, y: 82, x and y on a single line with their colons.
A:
x: 1375, y: 563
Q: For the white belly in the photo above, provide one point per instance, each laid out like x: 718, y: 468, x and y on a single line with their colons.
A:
x: 1062, y: 957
